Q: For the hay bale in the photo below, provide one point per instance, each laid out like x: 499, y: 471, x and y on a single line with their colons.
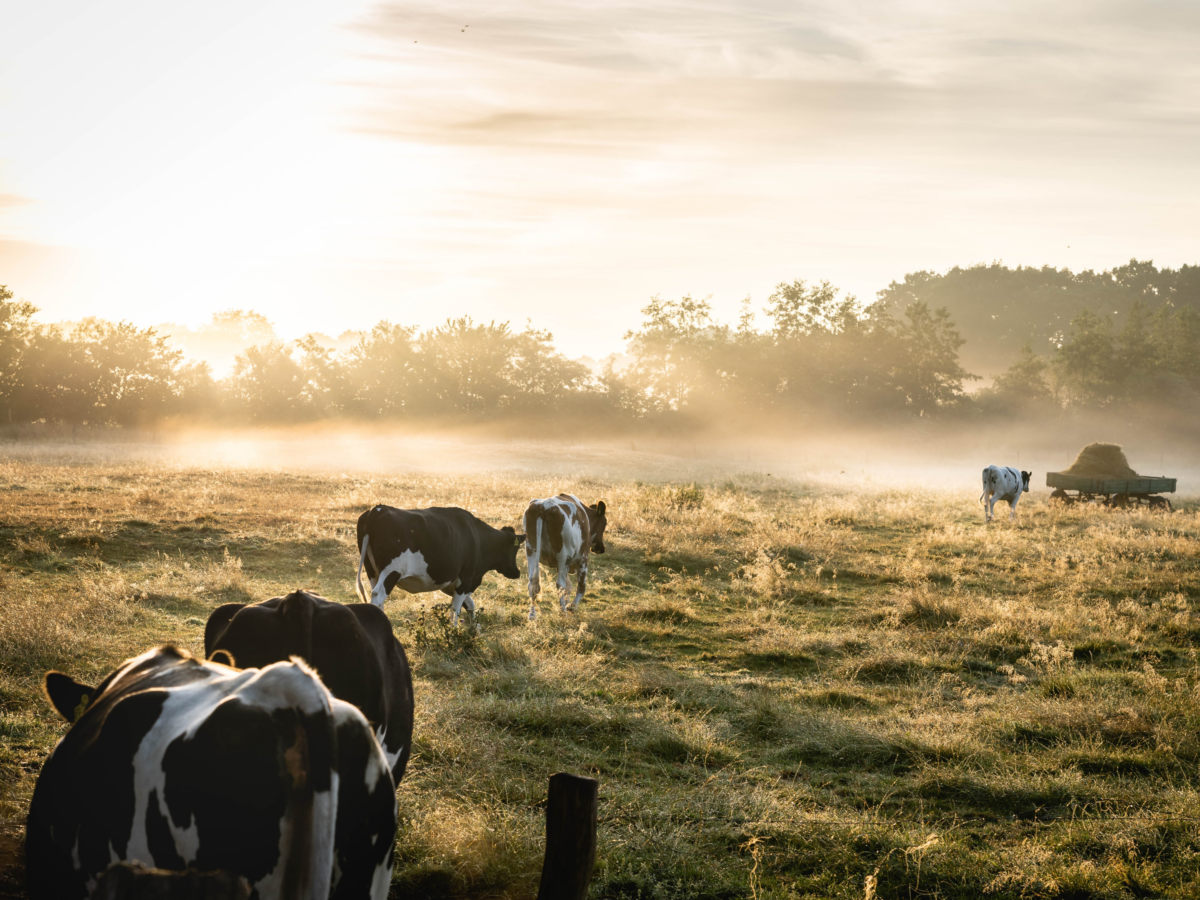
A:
x: 1101, y: 461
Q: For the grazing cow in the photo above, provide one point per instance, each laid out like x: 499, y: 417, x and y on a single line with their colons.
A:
x: 443, y: 548
x: 351, y: 646
x: 178, y: 763
x: 1003, y: 483
x: 561, y: 533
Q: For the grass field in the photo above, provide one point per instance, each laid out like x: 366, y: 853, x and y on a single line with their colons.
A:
x: 787, y: 688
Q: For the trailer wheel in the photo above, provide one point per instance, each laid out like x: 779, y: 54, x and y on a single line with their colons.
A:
x: 1061, y: 497
x: 1162, y: 504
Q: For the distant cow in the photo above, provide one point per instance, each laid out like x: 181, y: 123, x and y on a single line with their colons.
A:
x: 438, y: 549
x: 351, y: 646
x: 561, y: 533
x: 1003, y: 483
x: 178, y: 763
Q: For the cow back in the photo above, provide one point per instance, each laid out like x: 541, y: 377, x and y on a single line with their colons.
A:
x: 352, y: 647
x: 179, y: 763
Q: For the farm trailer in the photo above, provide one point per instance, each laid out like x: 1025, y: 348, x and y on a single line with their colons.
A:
x: 1118, y: 493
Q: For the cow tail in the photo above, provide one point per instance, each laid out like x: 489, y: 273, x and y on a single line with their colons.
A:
x: 535, y: 558
x: 362, y: 594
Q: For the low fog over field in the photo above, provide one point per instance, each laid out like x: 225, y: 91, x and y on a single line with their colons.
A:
x: 937, y: 460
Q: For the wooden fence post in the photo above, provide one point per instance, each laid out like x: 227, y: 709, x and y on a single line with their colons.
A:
x: 570, y: 837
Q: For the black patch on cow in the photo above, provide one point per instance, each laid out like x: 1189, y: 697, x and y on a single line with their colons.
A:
x: 366, y: 817
x: 85, y: 793
x: 238, y: 813
x: 352, y: 647
x: 158, y: 838
x: 391, y: 581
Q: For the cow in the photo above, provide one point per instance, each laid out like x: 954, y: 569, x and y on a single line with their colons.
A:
x: 176, y: 762
x: 561, y: 533
x: 442, y: 548
x: 351, y: 646
x: 1003, y: 483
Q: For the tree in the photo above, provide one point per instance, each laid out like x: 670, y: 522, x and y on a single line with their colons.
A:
x: 130, y: 372
x: 927, y: 372
x: 672, y: 351
x: 1084, y: 364
x: 468, y: 367
x: 324, y: 391
x: 541, y: 377
x: 383, y: 372
x: 267, y: 384
x: 16, y: 329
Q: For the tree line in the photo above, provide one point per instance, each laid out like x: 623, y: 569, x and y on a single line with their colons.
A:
x: 817, y: 356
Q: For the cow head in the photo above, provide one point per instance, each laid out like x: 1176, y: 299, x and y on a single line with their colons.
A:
x: 597, y: 522
x: 1025, y: 476
x: 508, y: 567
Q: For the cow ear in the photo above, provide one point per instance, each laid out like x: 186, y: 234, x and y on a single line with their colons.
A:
x: 224, y: 657
x: 68, y: 696
x: 518, y: 540
x: 600, y: 507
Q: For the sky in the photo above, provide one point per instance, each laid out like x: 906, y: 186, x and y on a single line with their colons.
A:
x: 332, y: 164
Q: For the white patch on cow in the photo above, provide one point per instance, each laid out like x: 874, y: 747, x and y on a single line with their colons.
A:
x: 380, y: 732
x: 457, y: 603
x: 414, y: 577
x: 377, y: 773
x: 381, y: 879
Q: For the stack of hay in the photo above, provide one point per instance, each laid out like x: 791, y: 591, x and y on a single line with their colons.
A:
x: 1101, y: 461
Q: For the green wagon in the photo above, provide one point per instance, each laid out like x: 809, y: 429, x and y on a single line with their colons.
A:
x: 1115, y: 492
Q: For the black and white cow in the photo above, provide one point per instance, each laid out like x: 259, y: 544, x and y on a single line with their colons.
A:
x: 1003, y: 483
x: 176, y: 762
x: 351, y: 646
x: 443, y: 548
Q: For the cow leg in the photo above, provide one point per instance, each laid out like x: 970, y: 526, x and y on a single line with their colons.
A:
x: 580, y: 583
x: 535, y: 586
x: 456, y: 605
x: 563, y: 581
x: 379, y: 592
x: 469, y: 603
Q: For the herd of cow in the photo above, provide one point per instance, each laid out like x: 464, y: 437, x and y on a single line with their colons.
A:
x: 276, y: 757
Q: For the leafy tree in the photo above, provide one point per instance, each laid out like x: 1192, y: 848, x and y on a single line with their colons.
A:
x: 129, y: 372
x: 999, y: 308
x: 468, y: 367
x: 541, y: 377
x: 324, y: 391
x: 383, y: 372
x: 1084, y: 363
x: 928, y: 374
x: 267, y: 384
x: 672, y: 351
x: 16, y: 329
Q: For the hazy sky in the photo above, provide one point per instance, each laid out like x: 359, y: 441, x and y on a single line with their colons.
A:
x: 330, y: 164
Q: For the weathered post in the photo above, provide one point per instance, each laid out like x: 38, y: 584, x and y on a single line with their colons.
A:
x: 570, y: 837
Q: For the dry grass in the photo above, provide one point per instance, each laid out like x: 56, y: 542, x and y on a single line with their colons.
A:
x: 784, y: 689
